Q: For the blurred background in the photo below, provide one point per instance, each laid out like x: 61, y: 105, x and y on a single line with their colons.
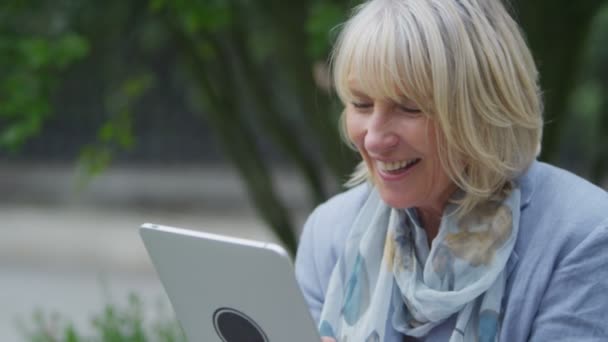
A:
x: 214, y: 115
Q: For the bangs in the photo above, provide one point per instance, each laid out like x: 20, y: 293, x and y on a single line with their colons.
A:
x: 382, y: 55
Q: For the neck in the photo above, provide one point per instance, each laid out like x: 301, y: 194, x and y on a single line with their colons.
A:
x: 430, y: 215
x: 430, y: 219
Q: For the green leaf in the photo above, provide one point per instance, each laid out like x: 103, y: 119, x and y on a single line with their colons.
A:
x: 69, y: 48
x: 192, y: 22
x: 157, y: 5
x: 122, y: 127
x: 210, y: 17
x: 71, y: 335
x: 92, y: 161
x: 17, y: 132
x: 35, y: 52
x: 136, y: 86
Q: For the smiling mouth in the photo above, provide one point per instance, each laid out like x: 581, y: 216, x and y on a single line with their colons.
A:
x: 397, y: 166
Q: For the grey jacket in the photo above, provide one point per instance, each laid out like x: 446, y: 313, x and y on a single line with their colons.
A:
x: 557, y: 286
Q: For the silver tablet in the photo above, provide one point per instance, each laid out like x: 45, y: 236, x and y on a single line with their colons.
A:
x: 229, y: 289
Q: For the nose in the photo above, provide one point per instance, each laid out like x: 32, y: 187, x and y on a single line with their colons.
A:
x: 380, y: 137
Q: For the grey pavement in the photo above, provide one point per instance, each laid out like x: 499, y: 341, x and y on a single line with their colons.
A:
x: 70, y: 251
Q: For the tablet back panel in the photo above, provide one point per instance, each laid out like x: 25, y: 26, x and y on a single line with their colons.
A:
x: 227, y: 289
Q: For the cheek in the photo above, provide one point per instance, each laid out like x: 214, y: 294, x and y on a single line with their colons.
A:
x: 430, y: 136
x: 355, y: 129
x: 432, y: 149
x: 439, y: 179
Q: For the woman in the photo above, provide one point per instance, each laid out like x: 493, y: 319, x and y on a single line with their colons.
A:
x: 454, y: 232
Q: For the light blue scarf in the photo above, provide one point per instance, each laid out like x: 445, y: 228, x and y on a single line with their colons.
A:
x: 387, y: 261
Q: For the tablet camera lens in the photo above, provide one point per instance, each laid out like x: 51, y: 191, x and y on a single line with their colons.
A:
x: 234, y: 326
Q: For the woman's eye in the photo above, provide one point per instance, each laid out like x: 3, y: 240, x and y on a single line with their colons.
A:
x: 362, y: 105
x: 410, y: 110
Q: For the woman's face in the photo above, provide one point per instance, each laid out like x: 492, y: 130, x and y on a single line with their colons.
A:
x: 398, y: 144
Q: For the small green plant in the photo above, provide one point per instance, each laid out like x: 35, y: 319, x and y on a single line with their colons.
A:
x: 113, y: 324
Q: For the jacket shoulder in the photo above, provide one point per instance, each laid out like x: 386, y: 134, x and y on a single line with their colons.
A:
x: 564, y: 206
x: 568, y: 196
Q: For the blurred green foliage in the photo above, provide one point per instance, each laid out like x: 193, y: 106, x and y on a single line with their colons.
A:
x: 114, y: 324
x: 256, y: 72
x: 31, y: 56
x: 589, y: 104
x: 28, y: 68
x: 116, y: 133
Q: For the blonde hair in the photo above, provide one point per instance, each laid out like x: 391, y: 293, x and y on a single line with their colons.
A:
x: 467, y: 66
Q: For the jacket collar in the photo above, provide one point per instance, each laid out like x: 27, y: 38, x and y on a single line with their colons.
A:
x: 526, y: 183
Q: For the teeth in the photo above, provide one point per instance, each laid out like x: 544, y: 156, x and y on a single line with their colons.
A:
x: 392, y: 166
